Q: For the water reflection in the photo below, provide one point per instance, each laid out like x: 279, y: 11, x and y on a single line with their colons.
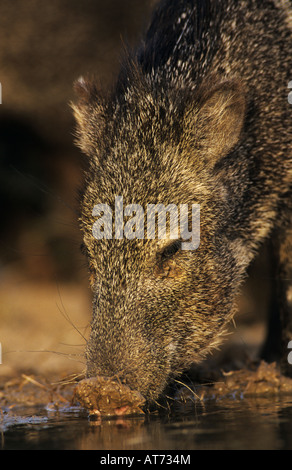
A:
x: 242, y: 424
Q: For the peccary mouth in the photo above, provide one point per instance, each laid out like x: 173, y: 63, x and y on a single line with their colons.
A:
x: 106, y: 397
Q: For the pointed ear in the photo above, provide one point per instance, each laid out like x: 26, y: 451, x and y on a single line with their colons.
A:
x: 89, y: 116
x: 218, y: 120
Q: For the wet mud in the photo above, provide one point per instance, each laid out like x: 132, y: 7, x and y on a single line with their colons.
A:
x: 100, y: 397
x: 104, y: 397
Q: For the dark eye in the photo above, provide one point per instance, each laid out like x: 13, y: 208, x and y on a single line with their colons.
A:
x: 170, y: 250
x: 167, y: 266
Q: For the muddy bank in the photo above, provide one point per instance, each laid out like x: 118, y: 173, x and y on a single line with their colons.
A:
x: 31, y: 390
x: 258, y: 380
x: 101, y: 398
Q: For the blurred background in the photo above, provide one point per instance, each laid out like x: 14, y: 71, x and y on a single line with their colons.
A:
x: 44, y: 48
x: 45, y: 302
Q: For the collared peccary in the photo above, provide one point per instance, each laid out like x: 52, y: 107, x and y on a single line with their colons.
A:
x: 198, y: 115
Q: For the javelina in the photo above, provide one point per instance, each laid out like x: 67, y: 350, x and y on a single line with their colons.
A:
x: 198, y: 115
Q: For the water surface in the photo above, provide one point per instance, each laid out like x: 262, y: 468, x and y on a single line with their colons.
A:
x: 262, y: 423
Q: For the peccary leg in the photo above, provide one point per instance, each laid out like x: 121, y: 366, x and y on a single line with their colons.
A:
x: 285, y: 293
x: 271, y: 350
x: 280, y: 312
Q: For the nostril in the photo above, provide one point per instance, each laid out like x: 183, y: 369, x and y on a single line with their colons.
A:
x: 102, y: 396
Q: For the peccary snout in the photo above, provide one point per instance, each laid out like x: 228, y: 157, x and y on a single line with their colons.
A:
x: 140, y: 362
x: 129, y: 340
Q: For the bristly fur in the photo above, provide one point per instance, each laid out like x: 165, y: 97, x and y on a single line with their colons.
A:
x: 199, y: 114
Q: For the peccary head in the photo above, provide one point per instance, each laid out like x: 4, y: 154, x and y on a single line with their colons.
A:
x: 157, y: 308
